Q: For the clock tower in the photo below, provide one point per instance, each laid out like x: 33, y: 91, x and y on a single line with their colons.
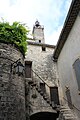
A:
x: 38, y: 33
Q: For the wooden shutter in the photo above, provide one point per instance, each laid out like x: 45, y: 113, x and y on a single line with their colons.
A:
x: 54, y: 95
x: 28, y: 66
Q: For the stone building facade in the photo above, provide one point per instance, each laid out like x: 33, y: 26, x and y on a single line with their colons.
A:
x: 28, y: 95
x: 41, y: 77
x: 38, y: 93
x: 45, y: 95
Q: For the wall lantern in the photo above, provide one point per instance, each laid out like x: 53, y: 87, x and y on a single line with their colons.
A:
x: 17, y: 67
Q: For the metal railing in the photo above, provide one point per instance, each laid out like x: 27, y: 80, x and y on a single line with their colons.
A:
x: 40, y: 78
x: 45, y: 90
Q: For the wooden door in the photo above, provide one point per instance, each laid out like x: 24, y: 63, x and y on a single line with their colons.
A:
x: 28, y: 71
x: 54, y: 95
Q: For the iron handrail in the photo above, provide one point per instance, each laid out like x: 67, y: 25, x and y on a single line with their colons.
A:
x: 40, y: 78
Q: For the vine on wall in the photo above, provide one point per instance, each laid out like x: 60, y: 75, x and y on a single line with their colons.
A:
x: 15, y: 34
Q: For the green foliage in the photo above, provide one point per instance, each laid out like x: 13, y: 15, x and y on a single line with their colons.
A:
x: 14, y: 34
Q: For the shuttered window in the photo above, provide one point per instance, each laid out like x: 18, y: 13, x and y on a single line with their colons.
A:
x: 76, y: 66
x: 28, y: 71
x: 54, y: 95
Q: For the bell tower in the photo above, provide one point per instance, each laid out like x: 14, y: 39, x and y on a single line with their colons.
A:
x: 38, y: 33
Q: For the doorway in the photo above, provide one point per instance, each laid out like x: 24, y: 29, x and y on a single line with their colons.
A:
x: 28, y: 69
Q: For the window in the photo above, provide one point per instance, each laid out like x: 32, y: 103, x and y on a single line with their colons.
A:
x: 76, y: 66
x: 43, y: 48
x: 69, y: 98
x: 54, y: 95
x: 39, y: 41
x: 28, y: 66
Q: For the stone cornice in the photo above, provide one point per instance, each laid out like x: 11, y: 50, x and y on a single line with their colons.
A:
x: 41, y: 44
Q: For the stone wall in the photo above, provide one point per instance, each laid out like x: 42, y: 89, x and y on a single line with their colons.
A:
x: 39, y: 35
x: 42, y: 62
x: 12, y: 86
x: 38, y: 103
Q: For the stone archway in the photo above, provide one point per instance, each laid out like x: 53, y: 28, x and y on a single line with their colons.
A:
x: 44, y: 116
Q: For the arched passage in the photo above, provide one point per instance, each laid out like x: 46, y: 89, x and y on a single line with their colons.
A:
x: 44, y: 116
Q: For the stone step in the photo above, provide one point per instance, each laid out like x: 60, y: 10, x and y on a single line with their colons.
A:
x: 48, y: 101
x: 33, y: 84
x: 30, y: 82
x: 54, y: 106
x: 45, y: 96
x: 64, y: 107
x: 68, y: 115
x: 68, y: 112
x: 69, y: 118
x: 36, y: 88
x: 41, y: 92
x: 65, y: 110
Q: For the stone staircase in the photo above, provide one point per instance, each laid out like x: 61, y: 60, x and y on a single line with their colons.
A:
x: 41, y: 92
x: 45, y: 96
x: 66, y: 113
x: 63, y: 111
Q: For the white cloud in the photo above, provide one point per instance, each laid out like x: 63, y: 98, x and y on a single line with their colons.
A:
x: 53, y: 38
x: 4, y: 5
x: 48, y: 12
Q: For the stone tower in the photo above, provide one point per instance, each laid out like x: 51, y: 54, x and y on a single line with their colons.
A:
x: 12, y: 85
x: 40, y: 78
x: 38, y: 32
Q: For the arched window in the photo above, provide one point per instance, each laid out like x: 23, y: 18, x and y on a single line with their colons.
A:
x: 76, y: 66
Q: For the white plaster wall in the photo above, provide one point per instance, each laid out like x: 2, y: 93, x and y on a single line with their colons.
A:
x: 69, y: 53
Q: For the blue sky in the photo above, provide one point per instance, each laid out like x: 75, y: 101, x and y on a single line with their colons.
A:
x: 50, y: 13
